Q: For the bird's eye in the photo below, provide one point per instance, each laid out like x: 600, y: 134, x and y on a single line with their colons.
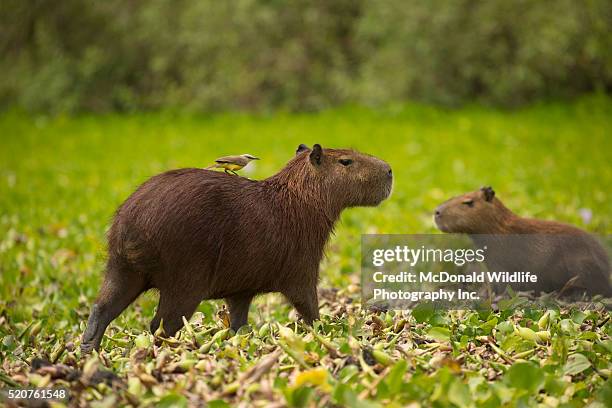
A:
x: 469, y: 203
x: 345, y: 162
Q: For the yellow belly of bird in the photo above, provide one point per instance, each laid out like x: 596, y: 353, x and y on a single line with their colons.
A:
x: 230, y: 166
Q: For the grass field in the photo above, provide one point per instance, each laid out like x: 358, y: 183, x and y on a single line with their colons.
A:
x: 61, y: 179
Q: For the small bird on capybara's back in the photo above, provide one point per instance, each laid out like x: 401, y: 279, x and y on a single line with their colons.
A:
x: 566, y: 259
x: 196, y: 234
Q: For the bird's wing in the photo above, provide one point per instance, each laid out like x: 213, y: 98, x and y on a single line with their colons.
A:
x: 232, y: 160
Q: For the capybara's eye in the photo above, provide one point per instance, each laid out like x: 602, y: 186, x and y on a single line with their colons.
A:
x: 345, y: 162
x: 469, y: 203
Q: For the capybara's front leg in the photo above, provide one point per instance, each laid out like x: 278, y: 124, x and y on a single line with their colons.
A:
x: 96, y: 325
x: 306, y: 302
x: 239, y: 310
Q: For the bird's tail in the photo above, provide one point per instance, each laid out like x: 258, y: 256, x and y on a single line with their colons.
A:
x: 211, y: 167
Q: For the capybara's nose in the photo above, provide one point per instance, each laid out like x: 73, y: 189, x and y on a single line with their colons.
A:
x: 390, y: 172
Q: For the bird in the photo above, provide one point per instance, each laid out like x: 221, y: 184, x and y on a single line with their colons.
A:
x: 230, y: 164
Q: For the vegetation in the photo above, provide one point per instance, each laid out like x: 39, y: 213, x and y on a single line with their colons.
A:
x: 300, y: 55
x: 62, y: 177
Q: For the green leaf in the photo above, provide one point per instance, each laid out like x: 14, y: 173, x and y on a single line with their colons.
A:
x: 172, y: 401
x: 588, y: 335
x: 218, y: 404
x: 567, y: 326
x: 607, y: 344
x: 578, y: 316
x: 525, y: 376
x: 395, y: 378
x: 488, y: 325
x: 300, y: 396
x: 459, y: 393
x: 576, y: 363
x: 348, y: 372
x: 423, y: 312
x: 142, y: 341
x: 554, y: 386
x: 505, y: 327
x: 344, y: 396
x: 439, y: 333
x: 605, y: 393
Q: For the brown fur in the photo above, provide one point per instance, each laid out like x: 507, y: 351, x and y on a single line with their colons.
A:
x: 561, y: 254
x: 196, y: 234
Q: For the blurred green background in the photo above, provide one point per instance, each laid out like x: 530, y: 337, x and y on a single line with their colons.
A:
x: 125, y: 55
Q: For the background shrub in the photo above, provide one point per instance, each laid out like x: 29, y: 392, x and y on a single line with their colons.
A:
x: 301, y: 55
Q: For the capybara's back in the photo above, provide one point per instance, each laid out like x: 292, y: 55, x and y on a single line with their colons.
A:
x: 197, y: 234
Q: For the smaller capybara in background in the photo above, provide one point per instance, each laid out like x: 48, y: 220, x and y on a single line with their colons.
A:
x: 197, y: 234
x: 566, y: 259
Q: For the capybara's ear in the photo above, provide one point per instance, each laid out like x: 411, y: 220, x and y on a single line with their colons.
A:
x: 316, y: 155
x: 488, y: 193
x: 301, y: 148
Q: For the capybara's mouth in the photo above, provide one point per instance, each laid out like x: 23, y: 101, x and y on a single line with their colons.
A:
x: 388, y: 190
x: 385, y: 192
x: 439, y: 222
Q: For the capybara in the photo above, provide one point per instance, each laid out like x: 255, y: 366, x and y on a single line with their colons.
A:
x: 566, y: 259
x: 196, y: 234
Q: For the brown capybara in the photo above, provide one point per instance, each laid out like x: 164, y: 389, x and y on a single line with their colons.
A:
x: 566, y: 259
x: 197, y: 234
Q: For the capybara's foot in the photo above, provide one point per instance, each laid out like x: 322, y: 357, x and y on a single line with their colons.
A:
x: 86, y: 348
x: 93, y: 333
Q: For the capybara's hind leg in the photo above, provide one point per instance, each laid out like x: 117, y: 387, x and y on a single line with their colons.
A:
x: 239, y: 310
x: 172, y: 307
x: 120, y: 288
x: 306, y: 302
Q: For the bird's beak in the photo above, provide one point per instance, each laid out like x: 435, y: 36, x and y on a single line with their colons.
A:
x: 256, y: 158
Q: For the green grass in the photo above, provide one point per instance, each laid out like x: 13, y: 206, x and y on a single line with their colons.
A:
x: 61, y: 179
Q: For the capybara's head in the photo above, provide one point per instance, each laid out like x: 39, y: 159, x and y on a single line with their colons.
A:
x: 344, y: 177
x: 477, y: 212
